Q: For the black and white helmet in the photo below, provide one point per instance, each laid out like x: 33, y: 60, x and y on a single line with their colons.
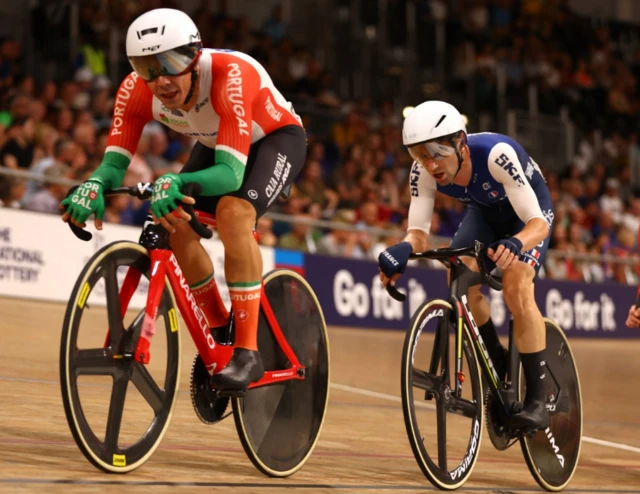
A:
x: 163, y: 42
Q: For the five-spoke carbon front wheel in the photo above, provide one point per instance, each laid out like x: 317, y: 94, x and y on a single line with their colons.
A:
x: 444, y: 430
x: 99, y: 383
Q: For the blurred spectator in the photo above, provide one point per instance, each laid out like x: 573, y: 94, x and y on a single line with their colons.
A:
x: 310, y: 85
x: 47, y: 200
x: 139, y: 170
x: 157, y: 147
x: 10, y: 53
x: 341, y: 242
x: 611, y: 203
x: 313, y: 188
x: 65, y: 151
x: 84, y: 134
x: 115, y: 207
x: 299, y: 63
x: 17, y: 151
x: 63, y: 121
x: 12, y: 191
x: 265, y: 232
x: 346, y: 184
x: 299, y: 238
x: 275, y: 26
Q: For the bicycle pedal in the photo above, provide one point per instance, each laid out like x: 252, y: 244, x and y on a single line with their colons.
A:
x: 230, y: 393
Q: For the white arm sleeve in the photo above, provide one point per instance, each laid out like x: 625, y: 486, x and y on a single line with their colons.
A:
x: 423, y: 198
x: 506, y: 168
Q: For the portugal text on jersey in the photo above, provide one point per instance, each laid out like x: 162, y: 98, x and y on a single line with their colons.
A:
x: 237, y: 105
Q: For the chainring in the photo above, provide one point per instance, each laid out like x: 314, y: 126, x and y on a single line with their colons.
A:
x: 209, y: 407
x: 497, y: 433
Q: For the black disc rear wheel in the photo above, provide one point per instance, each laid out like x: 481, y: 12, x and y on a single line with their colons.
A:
x: 552, y: 455
x: 279, y: 424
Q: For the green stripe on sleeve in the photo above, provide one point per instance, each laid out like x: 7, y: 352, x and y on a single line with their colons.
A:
x: 220, y: 179
x: 112, y: 169
x: 234, y: 163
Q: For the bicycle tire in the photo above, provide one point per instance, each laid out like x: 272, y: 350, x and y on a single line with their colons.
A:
x: 112, y: 458
x: 565, y: 427
x: 279, y: 425
x: 443, y: 479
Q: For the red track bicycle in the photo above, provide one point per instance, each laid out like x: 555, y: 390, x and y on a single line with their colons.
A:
x: 279, y: 418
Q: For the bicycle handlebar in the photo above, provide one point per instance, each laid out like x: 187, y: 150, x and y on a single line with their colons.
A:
x: 143, y: 192
x: 193, y: 189
x: 447, y: 256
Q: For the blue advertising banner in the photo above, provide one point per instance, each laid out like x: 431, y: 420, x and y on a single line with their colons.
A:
x: 351, y: 295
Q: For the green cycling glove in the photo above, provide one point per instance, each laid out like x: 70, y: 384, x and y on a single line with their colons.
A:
x: 86, y: 200
x: 166, y: 194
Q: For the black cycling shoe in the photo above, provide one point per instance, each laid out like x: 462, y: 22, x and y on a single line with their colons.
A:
x: 244, y: 368
x: 534, y: 416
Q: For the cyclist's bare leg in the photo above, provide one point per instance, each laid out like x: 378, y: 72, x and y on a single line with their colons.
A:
x: 528, y: 325
x: 530, y: 339
x: 197, y: 268
x: 192, y: 258
x: 243, y: 271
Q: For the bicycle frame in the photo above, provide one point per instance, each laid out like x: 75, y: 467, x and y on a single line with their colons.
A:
x: 214, y: 355
x: 462, y: 278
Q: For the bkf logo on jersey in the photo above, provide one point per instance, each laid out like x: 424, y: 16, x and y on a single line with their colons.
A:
x: 503, y: 161
x: 493, y: 194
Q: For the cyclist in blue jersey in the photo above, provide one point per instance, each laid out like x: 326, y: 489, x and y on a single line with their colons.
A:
x: 509, y: 209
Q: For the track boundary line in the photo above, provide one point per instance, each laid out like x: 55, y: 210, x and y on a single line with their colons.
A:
x: 388, y: 397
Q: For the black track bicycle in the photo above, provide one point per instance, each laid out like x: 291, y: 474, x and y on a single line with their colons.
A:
x: 455, y: 392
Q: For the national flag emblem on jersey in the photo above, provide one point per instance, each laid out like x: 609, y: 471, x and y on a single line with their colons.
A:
x: 534, y: 255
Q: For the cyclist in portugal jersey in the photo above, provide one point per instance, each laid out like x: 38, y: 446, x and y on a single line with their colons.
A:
x: 250, y: 147
x: 509, y: 209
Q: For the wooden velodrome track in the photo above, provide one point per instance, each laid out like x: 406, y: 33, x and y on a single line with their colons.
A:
x: 363, y: 446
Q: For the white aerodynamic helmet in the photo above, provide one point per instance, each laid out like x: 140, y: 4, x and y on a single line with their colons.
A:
x: 163, y: 42
x: 433, y: 121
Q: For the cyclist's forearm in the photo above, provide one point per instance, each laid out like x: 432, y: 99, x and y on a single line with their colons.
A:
x: 418, y: 239
x: 110, y: 174
x: 217, y: 180
x: 534, y: 232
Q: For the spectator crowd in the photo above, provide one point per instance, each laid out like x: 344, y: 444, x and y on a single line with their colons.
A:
x: 357, y: 171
